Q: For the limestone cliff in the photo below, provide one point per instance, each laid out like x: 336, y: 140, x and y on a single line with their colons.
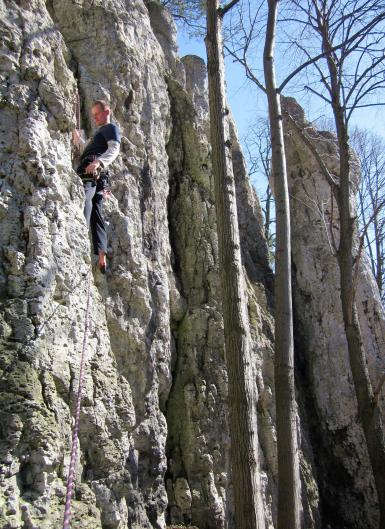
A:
x: 348, y: 496
x: 153, y: 437
x: 154, y: 412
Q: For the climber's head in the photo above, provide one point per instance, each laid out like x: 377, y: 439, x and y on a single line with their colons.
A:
x: 100, y: 112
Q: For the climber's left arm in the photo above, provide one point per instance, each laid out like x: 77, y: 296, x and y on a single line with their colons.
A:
x: 111, y: 153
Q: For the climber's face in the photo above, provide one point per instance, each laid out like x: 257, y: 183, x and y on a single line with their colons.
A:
x: 100, y: 116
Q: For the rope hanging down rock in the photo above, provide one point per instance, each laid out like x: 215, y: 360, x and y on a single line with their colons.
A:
x: 75, y: 430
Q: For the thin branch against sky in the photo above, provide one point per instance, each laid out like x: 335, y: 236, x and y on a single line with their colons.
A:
x: 248, y: 101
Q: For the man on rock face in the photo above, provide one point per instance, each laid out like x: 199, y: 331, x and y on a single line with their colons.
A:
x: 98, y: 153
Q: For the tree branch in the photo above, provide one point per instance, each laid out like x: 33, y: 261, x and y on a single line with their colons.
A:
x: 360, y: 34
x: 223, y: 10
x: 318, y: 94
x: 325, y: 171
x: 363, y: 74
x: 249, y: 73
x: 361, y: 246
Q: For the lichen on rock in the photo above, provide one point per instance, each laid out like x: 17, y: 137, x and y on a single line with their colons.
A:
x: 154, y: 438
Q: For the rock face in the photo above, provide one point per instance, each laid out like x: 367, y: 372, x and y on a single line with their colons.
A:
x: 46, y: 254
x: 153, y: 441
x: 198, y: 439
x: 348, y: 497
x: 153, y: 426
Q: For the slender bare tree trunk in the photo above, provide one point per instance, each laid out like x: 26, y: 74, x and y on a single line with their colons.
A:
x: 269, y: 199
x: 242, y: 388
x: 366, y: 234
x: 288, y: 463
x: 368, y: 410
x: 379, y: 264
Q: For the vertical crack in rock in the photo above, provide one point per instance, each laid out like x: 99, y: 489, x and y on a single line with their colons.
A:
x: 198, y: 478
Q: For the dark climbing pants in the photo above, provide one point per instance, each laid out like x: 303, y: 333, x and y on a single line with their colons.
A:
x: 93, y: 215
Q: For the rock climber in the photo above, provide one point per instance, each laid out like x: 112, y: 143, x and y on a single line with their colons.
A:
x: 98, y: 153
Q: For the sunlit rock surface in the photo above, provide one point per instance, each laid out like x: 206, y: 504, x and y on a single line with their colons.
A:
x: 154, y: 439
x: 153, y: 431
x: 348, y: 496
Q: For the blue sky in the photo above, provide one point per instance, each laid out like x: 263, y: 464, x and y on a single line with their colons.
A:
x: 248, y: 103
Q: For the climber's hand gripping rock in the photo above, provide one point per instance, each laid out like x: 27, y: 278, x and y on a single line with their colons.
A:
x: 94, y: 169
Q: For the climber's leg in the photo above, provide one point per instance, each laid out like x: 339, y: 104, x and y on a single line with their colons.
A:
x: 89, y: 191
x: 99, y: 234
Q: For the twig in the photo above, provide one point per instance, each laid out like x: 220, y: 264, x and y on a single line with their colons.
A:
x: 361, y: 246
x: 223, y: 10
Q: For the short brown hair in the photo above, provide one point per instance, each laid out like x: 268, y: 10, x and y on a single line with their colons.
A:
x: 102, y: 104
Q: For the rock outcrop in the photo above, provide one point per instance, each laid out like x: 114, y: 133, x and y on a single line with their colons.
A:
x: 348, y: 496
x: 154, y: 439
x: 154, y: 413
x: 109, y: 51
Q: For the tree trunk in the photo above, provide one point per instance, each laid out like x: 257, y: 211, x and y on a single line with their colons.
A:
x: 366, y: 234
x: 368, y: 410
x: 288, y: 464
x: 378, y: 239
x: 267, y: 214
x: 241, y: 380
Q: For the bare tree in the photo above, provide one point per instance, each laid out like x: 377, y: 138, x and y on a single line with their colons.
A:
x: 350, y: 67
x: 242, y: 389
x: 250, y: 22
x: 370, y: 149
x: 247, y: 27
x: 242, y: 38
x: 340, y: 47
x: 258, y: 150
x: 288, y: 465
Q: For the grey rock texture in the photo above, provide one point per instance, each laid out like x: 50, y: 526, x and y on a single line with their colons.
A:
x: 347, y: 491
x: 153, y: 437
x: 154, y: 407
x: 46, y: 250
x: 198, y: 469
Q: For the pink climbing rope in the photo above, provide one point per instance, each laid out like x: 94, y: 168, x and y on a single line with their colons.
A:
x: 75, y: 430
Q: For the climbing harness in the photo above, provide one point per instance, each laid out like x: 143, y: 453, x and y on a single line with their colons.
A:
x: 75, y: 430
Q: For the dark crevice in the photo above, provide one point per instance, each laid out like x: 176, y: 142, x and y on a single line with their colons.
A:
x: 174, y: 404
